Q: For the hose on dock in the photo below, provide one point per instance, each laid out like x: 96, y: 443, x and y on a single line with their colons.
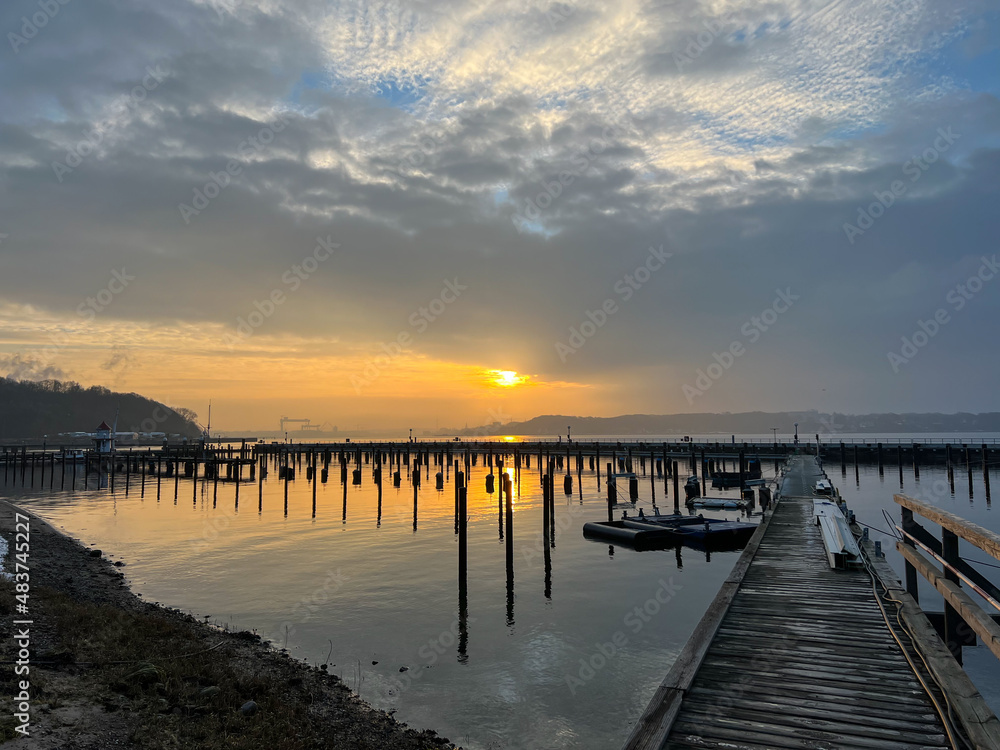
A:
x: 946, y: 720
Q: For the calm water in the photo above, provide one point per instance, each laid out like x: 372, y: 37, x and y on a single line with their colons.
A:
x: 525, y: 668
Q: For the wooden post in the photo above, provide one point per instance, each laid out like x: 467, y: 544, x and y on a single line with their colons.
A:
x: 597, y: 456
x: 986, y: 475
x: 677, y: 493
x: 545, y: 506
x: 506, y: 488
x: 666, y: 473
x: 952, y: 621
x: 911, y: 572
x: 552, y: 506
x: 463, y: 534
x: 611, y: 494
x: 968, y: 468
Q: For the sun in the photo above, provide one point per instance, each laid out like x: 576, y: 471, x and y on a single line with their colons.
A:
x: 507, y: 378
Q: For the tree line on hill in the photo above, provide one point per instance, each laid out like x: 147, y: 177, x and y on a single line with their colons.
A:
x: 30, y: 410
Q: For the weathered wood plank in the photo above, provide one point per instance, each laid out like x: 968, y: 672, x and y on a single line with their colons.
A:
x: 986, y: 540
x: 969, y: 611
x: 795, y: 655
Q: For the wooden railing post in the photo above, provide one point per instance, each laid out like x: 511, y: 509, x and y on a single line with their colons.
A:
x: 911, y: 572
x: 952, y: 621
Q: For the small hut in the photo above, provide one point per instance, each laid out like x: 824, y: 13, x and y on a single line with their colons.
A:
x: 104, y: 439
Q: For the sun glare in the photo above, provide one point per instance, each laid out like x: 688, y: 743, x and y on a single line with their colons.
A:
x: 507, y: 378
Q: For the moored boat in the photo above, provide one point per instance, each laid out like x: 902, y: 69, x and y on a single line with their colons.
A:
x: 659, y: 531
x: 724, y: 479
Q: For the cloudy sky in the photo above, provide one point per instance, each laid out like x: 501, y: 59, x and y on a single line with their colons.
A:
x: 454, y: 211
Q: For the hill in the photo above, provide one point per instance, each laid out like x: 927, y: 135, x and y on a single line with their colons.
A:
x: 810, y: 422
x: 29, y: 410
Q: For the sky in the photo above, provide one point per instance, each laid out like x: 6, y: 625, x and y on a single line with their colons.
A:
x: 416, y: 213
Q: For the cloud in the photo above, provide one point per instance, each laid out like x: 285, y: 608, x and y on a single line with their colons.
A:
x: 22, y: 367
x: 416, y: 130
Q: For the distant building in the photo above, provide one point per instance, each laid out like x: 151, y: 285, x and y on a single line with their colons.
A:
x: 104, y: 440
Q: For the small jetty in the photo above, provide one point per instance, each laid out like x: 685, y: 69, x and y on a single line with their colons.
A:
x: 795, y: 654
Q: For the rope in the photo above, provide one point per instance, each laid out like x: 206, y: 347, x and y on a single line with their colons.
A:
x: 875, y: 528
x: 948, y: 721
x: 979, y: 562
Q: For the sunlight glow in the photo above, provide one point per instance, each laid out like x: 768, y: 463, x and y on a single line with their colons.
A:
x: 508, y: 378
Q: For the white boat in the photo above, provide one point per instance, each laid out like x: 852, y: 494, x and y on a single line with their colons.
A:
x: 841, y: 548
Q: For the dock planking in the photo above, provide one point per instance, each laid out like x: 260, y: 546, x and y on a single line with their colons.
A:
x: 791, y: 654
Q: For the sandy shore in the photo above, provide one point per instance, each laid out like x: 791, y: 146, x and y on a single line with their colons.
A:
x: 109, y: 670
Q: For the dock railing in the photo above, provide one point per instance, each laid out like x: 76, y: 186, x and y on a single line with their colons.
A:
x: 922, y: 552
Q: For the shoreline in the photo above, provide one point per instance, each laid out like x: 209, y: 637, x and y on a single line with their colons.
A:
x: 110, y: 670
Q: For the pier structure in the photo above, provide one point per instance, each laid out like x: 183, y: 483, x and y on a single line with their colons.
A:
x: 236, y: 460
x: 795, y: 654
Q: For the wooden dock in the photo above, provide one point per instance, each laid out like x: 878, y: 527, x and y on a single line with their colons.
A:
x: 792, y: 654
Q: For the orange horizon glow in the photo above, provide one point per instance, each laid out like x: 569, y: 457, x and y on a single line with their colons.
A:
x: 508, y: 378
x: 252, y: 384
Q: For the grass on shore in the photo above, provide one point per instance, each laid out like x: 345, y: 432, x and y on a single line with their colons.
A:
x: 183, y: 692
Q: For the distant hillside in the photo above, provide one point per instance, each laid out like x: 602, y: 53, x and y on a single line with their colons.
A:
x: 810, y: 422
x: 30, y: 410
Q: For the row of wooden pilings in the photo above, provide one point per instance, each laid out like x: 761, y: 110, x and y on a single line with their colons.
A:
x: 287, y: 458
x: 954, y: 456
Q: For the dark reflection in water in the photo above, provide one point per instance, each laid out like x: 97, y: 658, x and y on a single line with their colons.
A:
x: 301, y: 570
